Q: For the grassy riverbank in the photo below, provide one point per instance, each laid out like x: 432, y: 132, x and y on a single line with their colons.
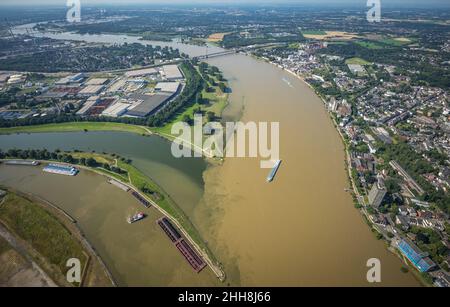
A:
x: 123, y: 171
x: 4, y: 246
x: 48, y: 239
x: 76, y: 127
x: 217, y: 103
x: 145, y: 185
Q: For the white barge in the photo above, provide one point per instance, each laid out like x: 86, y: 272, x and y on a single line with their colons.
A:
x: 21, y: 162
x: 119, y: 185
x: 61, y: 169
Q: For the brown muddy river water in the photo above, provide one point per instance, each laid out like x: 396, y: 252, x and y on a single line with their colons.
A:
x: 137, y: 255
x: 300, y: 230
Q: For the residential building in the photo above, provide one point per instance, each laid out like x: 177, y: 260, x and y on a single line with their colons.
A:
x: 377, y: 193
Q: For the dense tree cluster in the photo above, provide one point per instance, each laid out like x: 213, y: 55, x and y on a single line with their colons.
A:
x: 9, y: 96
x: 416, y: 166
x: 57, y: 155
x: 237, y: 40
x: 414, y: 64
x: 194, y: 84
x: 213, y: 77
x: 84, y: 59
x: 430, y: 241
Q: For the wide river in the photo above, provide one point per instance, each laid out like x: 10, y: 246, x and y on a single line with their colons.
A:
x: 300, y: 230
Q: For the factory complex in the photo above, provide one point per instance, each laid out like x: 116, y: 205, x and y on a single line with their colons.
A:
x: 136, y: 93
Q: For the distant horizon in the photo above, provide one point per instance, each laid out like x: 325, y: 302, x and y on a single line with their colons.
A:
x: 319, y: 3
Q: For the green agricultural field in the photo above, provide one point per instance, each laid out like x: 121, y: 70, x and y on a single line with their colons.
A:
x: 369, y: 45
x: 357, y: 60
x: 314, y: 32
x: 337, y: 43
x: 397, y: 42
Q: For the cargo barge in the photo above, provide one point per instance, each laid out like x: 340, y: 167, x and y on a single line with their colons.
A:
x: 141, y: 199
x: 191, y: 256
x: 119, y: 185
x: 196, y: 261
x: 168, y: 228
x: 61, y: 170
x: 274, y: 171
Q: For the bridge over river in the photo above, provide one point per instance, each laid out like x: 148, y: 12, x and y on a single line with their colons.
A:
x: 232, y: 51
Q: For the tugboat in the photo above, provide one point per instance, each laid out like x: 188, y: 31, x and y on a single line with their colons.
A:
x: 136, y: 218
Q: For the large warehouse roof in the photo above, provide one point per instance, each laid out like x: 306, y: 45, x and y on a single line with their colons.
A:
x: 96, y: 81
x: 91, y: 90
x: 116, y: 109
x: 141, y: 72
x: 172, y: 72
x: 170, y: 87
x: 149, y: 105
x: 87, y: 105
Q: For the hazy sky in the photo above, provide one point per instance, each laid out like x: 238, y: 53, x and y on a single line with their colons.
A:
x: 407, y: 3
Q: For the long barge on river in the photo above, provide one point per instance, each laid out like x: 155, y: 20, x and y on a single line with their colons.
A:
x: 21, y: 162
x: 141, y: 199
x: 119, y: 185
x: 274, y: 171
x: 195, y: 260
